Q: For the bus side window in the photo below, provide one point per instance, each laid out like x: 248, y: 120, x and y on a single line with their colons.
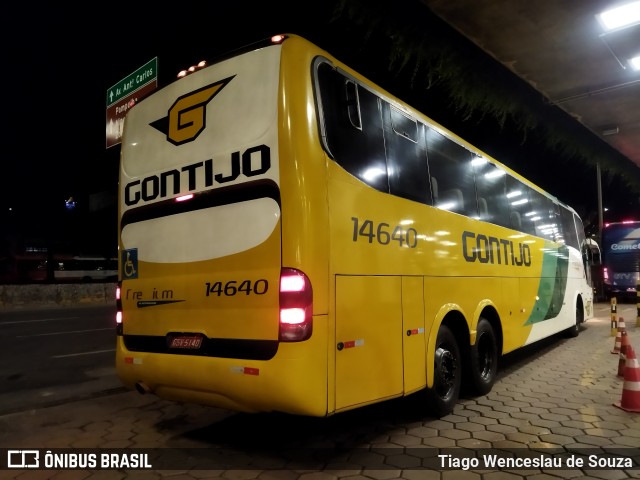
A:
x: 353, y: 104
x: 517, y: 198
x: 359, y: 149
x: 541, y: 215
x: 516, y: 221
x: 556, y: 226
x: 435, y: 194
x: 491, y: 191
x: 452, y: 200
x: 406, y: 157
x: 451, y: 164
x: 572, y: 236
x: 483, y: 209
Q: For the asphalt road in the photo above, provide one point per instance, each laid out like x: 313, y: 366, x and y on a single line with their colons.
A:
x: 49, y: 356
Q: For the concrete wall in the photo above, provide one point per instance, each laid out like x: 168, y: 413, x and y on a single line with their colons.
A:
x: 35, y: 296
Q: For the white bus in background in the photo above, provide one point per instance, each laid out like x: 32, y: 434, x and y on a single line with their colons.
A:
x: 86, y: 269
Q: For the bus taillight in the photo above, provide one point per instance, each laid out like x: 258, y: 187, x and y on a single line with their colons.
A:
x: 296, y: 301
x: 118, y: 310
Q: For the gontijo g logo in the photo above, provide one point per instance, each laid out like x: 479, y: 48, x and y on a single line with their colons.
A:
x: 187, y: 116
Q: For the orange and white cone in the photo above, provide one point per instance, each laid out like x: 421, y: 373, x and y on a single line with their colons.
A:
x: 624, y: 345
x: 622, y: 327
x: 630, y: 400
x: 618, y: 343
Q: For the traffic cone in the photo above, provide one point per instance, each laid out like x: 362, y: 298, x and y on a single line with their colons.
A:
x: 622, y: 327
x: 624, y: 345
x: 630, y: 400
x: 618, y: 343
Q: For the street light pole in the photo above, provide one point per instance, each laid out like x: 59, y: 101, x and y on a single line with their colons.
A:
x: 600, y: 211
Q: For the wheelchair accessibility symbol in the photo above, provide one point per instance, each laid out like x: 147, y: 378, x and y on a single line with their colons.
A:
x: 130, y: 263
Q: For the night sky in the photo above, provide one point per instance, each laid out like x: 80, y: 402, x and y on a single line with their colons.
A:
x: 61, y: 65
x: 59, y: 62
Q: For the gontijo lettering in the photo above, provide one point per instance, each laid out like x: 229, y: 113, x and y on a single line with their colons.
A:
x: 253, y: 161
x: 486, y: 249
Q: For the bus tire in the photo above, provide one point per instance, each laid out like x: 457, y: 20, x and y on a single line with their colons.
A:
x: 483, y: 359
x: 443, y: 396
x: 574, y: 331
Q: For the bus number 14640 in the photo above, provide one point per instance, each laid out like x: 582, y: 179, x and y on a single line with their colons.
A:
x: 237, y: 287
x: 384, y: 234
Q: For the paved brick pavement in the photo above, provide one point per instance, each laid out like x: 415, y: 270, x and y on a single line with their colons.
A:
x: 558, y: 394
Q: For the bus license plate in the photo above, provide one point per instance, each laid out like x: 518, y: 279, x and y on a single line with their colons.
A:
x: 186, y: 341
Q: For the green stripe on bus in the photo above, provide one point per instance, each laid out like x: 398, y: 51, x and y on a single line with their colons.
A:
x: 553, y: 284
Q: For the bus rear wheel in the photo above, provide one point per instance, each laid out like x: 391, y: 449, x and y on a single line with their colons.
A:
x: 443, y: 396
x: 574, y: 330
x: 484, y: 359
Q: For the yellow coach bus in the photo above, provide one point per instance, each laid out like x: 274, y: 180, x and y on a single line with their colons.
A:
x: 293, y: 238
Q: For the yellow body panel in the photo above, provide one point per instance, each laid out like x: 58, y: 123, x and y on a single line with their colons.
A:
x: 214, y: 315
x: 413, y: 334
x: 293, y: 381
x: 368, y: 339
x: 302, y: 178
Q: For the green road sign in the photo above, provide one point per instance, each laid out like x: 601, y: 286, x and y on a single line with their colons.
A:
x: 138, y: 79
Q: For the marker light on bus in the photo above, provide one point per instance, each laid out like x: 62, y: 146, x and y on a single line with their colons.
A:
x: 296, y: 299
x: 119, y: 309
x: 191, y: 69
x: 182, y: 198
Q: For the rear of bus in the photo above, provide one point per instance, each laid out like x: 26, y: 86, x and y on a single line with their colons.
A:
x: 222, y: 291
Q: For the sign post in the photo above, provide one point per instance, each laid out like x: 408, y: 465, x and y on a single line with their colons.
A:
x: 125, y: 94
